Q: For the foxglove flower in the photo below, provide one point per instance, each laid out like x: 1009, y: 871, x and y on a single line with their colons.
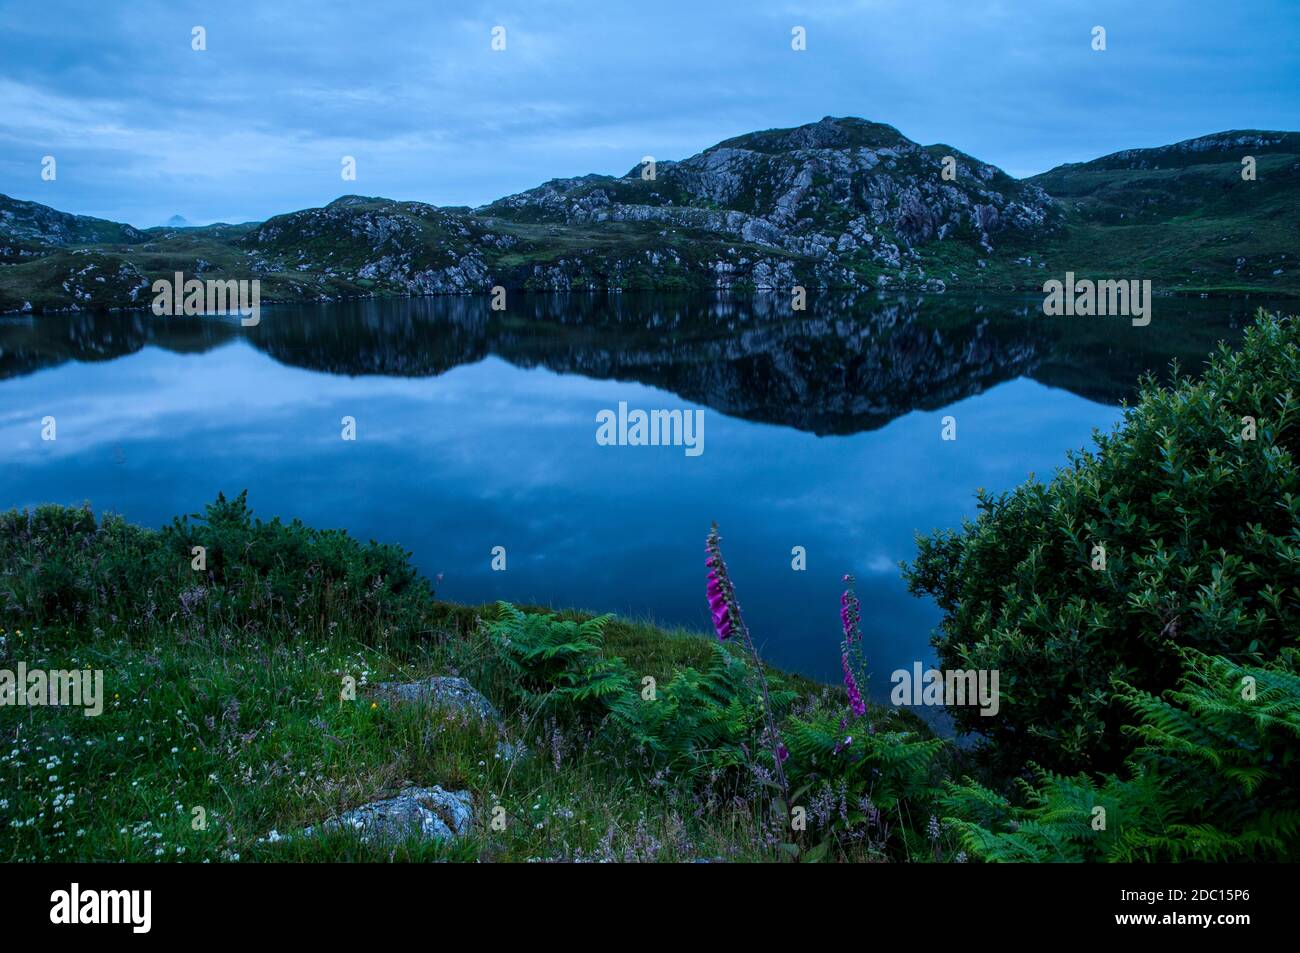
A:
x: 726, y: 621
x: 721, y: 595
x: 851, y: 647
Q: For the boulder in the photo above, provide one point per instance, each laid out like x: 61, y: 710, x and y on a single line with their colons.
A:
x: 430, y: 813
x: 443, y: 691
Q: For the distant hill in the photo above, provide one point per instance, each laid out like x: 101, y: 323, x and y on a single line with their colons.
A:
x: 1184, y: 213
x: 840, y: 203
x: 32, y: 222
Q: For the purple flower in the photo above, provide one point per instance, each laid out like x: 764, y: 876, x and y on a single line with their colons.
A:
x: 856, y: 703
x: 726, y: 620
x: 850, y: 615
x: 718, y: 591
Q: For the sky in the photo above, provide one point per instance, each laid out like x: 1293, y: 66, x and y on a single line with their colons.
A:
x: 143, y: 127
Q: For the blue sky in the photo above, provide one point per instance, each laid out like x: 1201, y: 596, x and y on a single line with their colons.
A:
x: 143, y: 127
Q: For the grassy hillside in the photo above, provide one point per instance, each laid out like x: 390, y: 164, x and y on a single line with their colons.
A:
x: 222, y: 692
x: 1183, y: 214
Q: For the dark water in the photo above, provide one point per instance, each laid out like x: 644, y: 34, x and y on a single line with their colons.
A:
x: 477, y: 429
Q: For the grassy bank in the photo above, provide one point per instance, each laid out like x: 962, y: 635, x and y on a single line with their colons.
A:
x: 222, y: 693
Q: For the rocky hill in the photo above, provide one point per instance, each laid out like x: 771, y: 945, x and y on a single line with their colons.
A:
x: 39, y: 224
x: 840, y: 203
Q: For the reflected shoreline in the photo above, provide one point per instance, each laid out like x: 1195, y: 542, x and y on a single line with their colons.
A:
x: 849, y: 363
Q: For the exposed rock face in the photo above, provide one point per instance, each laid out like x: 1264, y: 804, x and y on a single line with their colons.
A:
x: 409, y: 247
x: 838, y: 196
x: 841, y: 203
x: 429, y: 813
x: 31, y: 221
x: 442, y: 691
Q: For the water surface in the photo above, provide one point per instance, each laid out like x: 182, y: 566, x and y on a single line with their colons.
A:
x: 477, y: 429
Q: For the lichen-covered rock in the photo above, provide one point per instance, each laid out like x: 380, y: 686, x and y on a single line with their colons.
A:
x: 444, y: 691
x: 430, y: 813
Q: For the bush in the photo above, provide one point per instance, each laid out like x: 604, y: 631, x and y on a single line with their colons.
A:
x: 869, y: 781
x: 699, y: 725
x: 1200, y: 526
x: 1216, y: 778
x: 703, y: 724
x: 64, y: 568
x: 553, y: 665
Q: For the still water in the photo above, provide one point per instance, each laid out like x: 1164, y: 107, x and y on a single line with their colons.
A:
x: 476, y: 429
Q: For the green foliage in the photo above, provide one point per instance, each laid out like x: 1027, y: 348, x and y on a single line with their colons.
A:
x: 555, y: 665
x: 67, y: 568
x: 870, y: 779
x: 1228, y: 743
x: 702, y: 724
x: 1201, y: 529
x: 1216, y: 778
x: 1056, y: 822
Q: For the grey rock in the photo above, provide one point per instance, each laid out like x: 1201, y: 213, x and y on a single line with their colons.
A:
x: 430, y: 813
x: 442, y: 691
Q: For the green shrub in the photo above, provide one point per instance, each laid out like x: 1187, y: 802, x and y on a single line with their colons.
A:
x: 702, y: 724
x: 1201, y: 533
x: 554, y: 665
x: 863, y: 782
x: 1216, y: 777
x: 64, y: 568
x: 1055, y: 825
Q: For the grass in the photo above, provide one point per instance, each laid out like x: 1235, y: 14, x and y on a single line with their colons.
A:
x: 251, y: 730
x: 222, y: 704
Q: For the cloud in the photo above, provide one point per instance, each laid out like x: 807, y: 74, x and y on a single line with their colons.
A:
x: 145, y: 127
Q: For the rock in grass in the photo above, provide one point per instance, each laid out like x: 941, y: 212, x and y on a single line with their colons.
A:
x: 430, y: 813
x: 444, y: 691
x: 452, y: 694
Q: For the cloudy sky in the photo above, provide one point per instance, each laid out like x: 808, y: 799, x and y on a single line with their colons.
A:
x: 144, y: 127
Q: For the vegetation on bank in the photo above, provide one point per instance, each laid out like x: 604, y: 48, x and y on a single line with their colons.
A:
x: 223, y: 693
x: 1150, y: 707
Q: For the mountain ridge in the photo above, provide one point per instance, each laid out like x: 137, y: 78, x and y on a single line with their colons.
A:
x: 842, y: 203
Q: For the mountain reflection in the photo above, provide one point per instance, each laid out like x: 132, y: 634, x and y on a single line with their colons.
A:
x: 846, y: 364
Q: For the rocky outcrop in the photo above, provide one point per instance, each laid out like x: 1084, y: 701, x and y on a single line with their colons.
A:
x: 456, y: 695
x: 839, y: 199
x: 429, y: 813
x: 33, y: 222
